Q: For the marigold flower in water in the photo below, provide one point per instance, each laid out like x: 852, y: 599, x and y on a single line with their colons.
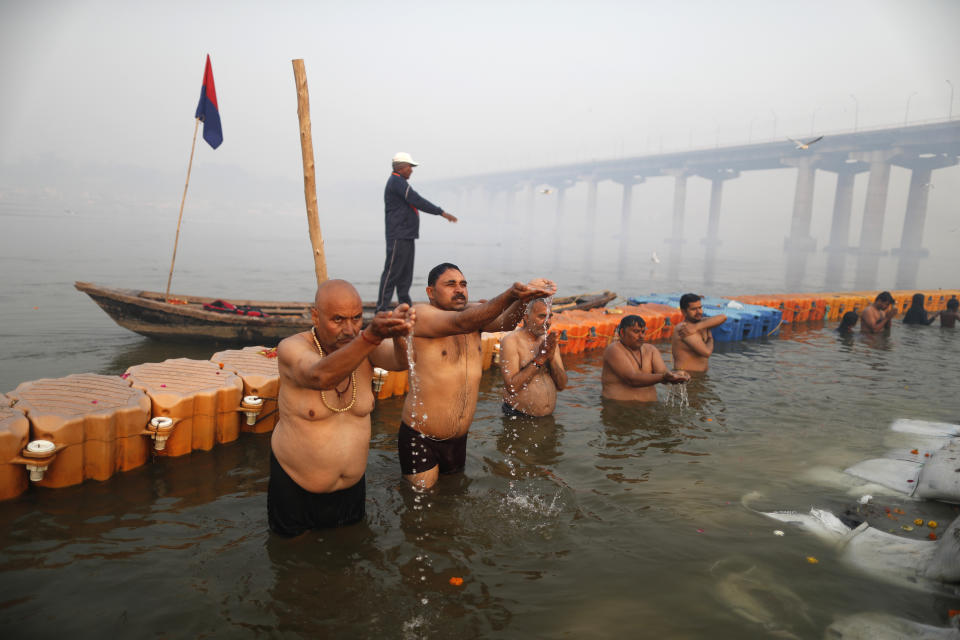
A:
x: 932, y: 524
x: 455, y: 581
x: 914, y: 451
x: 932, y: 536
x: 812, y: 560
x: 898, y: 510
x: 918, y: 522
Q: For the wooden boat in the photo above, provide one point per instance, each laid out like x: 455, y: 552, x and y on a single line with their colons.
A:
x: 185, y: 318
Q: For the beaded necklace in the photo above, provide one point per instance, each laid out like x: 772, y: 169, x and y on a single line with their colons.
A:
x: 353, y: 380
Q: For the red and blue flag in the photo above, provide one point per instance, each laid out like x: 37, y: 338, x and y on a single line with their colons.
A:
x: 207, y: 111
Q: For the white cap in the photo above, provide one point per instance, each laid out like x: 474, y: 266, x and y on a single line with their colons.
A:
x: 403, y: 156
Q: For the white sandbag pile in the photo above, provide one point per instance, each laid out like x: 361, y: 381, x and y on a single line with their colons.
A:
x: 930, y: 470
x: 921, y: 564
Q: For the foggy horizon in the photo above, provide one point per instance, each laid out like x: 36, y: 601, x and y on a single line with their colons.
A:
x: 101, y: 97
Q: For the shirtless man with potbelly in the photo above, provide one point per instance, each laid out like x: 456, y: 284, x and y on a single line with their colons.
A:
x: 632, y: 367
x: 692, y: 341
x: 319, y: 447
x: 445, y: 382
x: 531, y: 366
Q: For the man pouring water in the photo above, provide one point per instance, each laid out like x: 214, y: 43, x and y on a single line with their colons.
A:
x: 446, y: 370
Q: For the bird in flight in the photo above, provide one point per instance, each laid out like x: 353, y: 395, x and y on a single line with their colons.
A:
x: 804, y: 144
x: 546, y: 192
x: 654, y: 258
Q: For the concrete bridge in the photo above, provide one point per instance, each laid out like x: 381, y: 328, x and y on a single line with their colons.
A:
x: 921, y: 148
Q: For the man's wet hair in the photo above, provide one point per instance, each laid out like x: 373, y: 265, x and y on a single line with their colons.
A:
x: 917, y: 301
x: 535, y: 302
x: 438, y: 271
x: 884, y: 296
x: 952, y: 304
x: 687, y: 299
x: 631, y: 321
x: 849, y: 320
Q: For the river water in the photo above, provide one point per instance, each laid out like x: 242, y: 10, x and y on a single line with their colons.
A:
x: 604, y: 521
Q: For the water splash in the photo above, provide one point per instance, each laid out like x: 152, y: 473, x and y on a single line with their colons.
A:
x: 414, y: 395
x: 677, y: 396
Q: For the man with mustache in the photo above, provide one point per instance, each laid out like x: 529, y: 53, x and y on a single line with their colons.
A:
x: 692, y: 342
x: 318, y: 450
x: 633, y: 367
x: 447, y: 367
x: 531, y: 366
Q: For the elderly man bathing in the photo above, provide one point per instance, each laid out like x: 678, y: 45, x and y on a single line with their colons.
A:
x: 447, y: 359
x: 402, y: 207
x: 531, y: 366
x: 692, y: 341
x: 319, y: 447
x: 632, y: 367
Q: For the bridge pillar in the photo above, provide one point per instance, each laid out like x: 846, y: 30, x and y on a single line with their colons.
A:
x: 717, y: 179
x: 875, y: 207
x: 679, y: 205
x: 838, y: 247
x: 626, y: 207
x: 799, y: 238
x: 559, y: 229
x: 529, y: 215
x: 590, y: 220
x: 911, y: 238
x: 712, y: 241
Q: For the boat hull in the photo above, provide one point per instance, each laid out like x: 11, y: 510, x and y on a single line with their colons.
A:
x: 148, y: 313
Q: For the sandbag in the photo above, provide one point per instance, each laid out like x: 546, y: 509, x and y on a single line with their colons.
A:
x: 925, y: 428
x: 945, y: 563
x: 883, y: 626
x: 940, y: 476
x: 890, y: 557
x: 900, y: 475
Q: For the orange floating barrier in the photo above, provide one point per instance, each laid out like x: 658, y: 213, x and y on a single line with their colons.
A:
x: 14, y: 435
x: 201, y: 399
x: 259, y: 370
x: 97, y: 420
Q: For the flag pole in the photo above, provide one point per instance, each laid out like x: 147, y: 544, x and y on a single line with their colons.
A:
x: 193, y: 145
x: 309, y: 181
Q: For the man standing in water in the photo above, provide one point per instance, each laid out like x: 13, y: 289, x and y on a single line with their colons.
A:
x: 402, y: 221
x: 632, y: 367
x: 949, y: 317
x: 318, y: 450
x: 877, y: 316
x: 530, y: 362
x: 447, y: 367
x: 692, y: 341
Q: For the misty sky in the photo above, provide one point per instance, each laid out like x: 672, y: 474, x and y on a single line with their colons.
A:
x: 465, y: 88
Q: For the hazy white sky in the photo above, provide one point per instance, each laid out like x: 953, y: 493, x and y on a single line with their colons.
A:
x: 464, y: 87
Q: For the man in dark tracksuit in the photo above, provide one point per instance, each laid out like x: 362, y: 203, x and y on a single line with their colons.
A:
x: 403, y: 206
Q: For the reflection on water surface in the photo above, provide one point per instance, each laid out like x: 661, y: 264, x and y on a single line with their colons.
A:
x: 604, y: 519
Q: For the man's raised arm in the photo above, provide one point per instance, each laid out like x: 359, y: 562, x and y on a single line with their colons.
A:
x: 391, y: 354
x: 303, y: 363
x: 438, y: 323
x: 511, y: 316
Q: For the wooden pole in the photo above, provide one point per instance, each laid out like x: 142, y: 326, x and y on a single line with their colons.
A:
x: 176, y: 241
x: 309, y: 182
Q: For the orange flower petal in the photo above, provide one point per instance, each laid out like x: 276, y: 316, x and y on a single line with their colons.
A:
x: 455, y: 581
